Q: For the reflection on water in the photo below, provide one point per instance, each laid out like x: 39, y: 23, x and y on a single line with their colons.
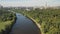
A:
x: 24, y: 26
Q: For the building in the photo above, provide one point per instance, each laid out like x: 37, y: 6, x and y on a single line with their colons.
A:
x: 1, y: 6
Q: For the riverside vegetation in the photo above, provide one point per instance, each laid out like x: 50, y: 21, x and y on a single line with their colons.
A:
x: 49, y: 19
x: 6, y: 21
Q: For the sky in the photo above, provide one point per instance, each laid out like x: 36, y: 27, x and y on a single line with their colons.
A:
x: 28, y: 3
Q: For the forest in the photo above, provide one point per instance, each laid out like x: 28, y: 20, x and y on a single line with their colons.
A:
x: 7, y: 18
x: 49, y: 19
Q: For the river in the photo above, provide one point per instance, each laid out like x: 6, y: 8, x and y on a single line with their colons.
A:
x: 24, y: 25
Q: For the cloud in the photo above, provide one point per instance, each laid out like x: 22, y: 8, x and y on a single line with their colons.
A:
x: 29, y: 2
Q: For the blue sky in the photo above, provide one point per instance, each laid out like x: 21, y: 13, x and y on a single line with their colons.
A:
x: 28, y: 3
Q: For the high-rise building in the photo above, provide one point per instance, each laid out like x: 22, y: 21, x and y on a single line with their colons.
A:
x: 1, y: 6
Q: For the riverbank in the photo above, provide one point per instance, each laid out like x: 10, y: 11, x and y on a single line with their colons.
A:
x: 37, y: 24
x: 7, y: 20
x: 24, y: 25
x: 48, y: 19
x: 6, y: 27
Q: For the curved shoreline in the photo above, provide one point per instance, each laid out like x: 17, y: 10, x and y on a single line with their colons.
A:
x: 38, y: 25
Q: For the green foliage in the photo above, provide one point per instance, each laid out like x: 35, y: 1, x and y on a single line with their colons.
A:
x: 49, y: 19
x: 6, y: 18
x: 6, y: 15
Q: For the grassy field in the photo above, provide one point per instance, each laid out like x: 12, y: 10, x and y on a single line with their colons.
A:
x: 49, y: 19
x: 6, y: 20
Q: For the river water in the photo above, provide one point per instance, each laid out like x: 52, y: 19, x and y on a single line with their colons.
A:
x: 24, y: 25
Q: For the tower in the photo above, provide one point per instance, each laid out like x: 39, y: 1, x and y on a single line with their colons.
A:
x: 1, y: 6
x: 46, y: 4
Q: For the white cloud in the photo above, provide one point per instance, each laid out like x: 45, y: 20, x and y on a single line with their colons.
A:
x: 28, y: 2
